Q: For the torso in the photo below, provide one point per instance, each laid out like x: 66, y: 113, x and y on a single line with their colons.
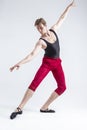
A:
x: 50, y: 38
x: 51, y: 44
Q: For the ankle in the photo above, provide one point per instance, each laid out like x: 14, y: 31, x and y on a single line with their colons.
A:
x: 18, y: 109
x: 44, y: 108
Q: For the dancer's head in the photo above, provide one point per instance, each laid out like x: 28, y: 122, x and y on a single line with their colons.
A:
x: 41, y: 25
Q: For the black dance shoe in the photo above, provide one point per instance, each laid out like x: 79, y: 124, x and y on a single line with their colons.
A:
x: 47, y: 111
x: 14, y: 114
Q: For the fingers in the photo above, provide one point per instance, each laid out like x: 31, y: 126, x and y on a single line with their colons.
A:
x: 14, y: 67
x: 72, y: 3
x: 11, y: 69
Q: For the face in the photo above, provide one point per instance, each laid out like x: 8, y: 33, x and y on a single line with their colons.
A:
x: 41, y: 28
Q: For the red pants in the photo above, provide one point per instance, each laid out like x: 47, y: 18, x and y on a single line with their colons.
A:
x: 53, y: 65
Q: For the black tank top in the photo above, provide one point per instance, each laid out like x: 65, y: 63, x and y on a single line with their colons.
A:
x: 53, y: 49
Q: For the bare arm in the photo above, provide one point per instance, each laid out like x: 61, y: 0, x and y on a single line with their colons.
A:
x: 29, y: 57
x: 62, y: 17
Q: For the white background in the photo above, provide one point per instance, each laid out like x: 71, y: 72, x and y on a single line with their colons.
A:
x: 18, y: 37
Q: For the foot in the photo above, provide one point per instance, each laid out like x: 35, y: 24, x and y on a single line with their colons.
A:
x: 14, y: 114
x: 47, y: 111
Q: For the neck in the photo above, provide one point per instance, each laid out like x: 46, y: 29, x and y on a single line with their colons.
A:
x: 46, y: 34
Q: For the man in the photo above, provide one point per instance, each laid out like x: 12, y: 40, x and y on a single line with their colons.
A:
x: 51, y: 62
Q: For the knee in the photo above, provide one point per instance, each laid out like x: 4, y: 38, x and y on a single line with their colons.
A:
x: 32, y: 88
x: 60, y: 90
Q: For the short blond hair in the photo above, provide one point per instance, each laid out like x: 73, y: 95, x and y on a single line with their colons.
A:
x: 40, y: 20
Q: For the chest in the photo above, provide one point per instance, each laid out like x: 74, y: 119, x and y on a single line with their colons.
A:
x: 50, y: 38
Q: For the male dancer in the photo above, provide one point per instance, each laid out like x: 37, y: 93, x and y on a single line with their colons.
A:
x: 51, y: 62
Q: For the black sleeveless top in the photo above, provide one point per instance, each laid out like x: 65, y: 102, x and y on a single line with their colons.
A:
x: 53, y: 49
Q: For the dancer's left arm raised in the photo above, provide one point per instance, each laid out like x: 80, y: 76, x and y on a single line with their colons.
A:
x: 63, y: 16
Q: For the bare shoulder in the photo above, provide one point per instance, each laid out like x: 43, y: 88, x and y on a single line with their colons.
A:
x: 42, y: 43
x: 54, y: 28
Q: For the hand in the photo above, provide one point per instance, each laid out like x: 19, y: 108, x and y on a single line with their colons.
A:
x: 72, y: 3
x: 14, y: 67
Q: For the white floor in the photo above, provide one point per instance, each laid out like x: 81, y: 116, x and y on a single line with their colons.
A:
x: 34, y: 120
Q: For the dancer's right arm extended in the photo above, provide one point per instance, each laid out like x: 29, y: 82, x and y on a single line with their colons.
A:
x: 29, y: 57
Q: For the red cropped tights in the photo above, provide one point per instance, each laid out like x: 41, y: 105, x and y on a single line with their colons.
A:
x: 53, y: 65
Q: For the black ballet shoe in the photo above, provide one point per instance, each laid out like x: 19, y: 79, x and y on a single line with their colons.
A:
x: 47, y: 111
x: 14, y: 114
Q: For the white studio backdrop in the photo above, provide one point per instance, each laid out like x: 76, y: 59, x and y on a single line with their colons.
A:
x: 18, y: 37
